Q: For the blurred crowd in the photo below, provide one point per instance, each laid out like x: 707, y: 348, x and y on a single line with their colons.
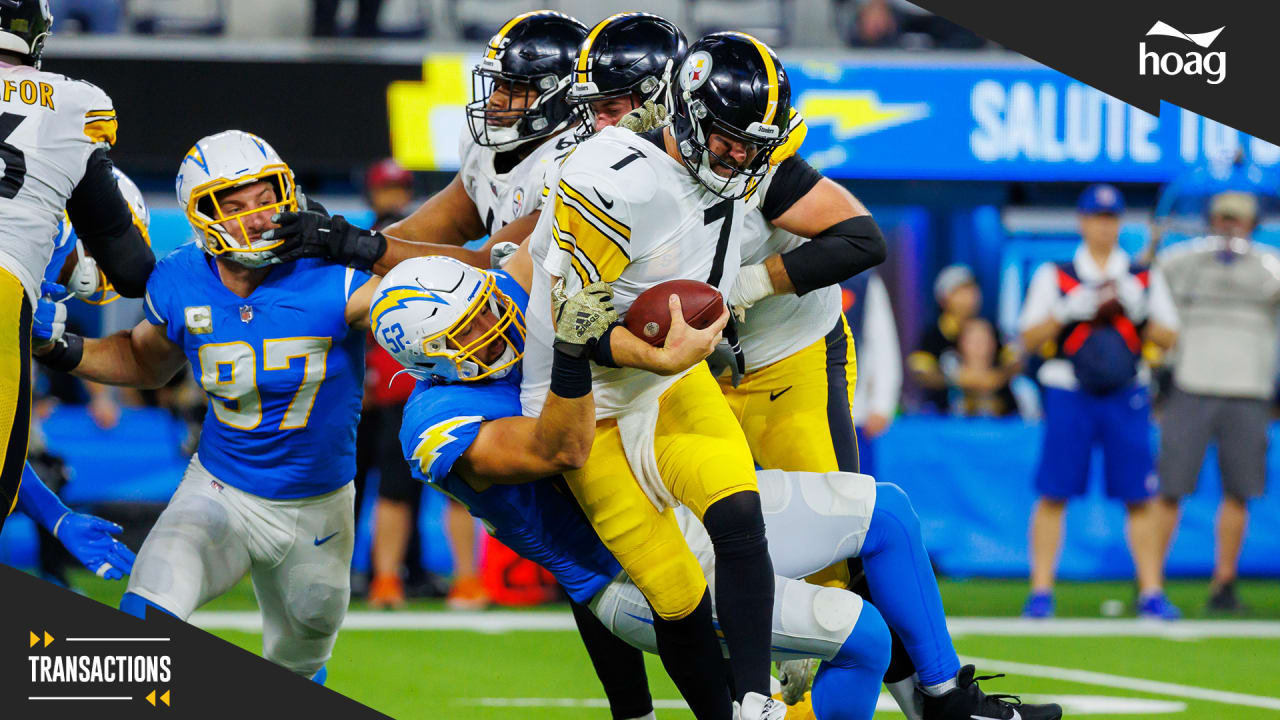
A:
x: 856, y: 23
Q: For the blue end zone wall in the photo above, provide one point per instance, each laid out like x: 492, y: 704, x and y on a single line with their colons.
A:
x: 970, y: 482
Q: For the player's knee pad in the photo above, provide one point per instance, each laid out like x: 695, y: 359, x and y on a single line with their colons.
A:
x: 821, y: 613
x: 137, y: 606
x: 673, y: 586
x: 315, y: 604
x: 735, y: 524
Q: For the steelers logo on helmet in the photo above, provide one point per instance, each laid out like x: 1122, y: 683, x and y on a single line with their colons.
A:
x: 214, y: 171
x: 519, y: 88
x: 697, y: 68
x: 444, y: 320
x: 732, y: 112
x: 628, y: 59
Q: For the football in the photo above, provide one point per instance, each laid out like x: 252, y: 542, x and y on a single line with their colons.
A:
x: 649, y: 317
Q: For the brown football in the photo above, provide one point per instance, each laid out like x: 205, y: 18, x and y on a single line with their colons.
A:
x: 649, y: 318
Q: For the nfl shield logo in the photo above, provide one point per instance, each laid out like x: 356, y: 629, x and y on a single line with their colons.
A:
x: 246, y: 313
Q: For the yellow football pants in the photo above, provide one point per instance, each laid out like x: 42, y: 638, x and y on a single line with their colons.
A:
x: 797, y: 412
x: 702, y: 457
x: 15, y: 387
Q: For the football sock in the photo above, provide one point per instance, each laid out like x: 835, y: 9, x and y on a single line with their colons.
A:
x: 904, y: 588
x: 744, y: 588
x: 136, y: 605
x: 691, y: 655
x: 847, y: 687
x: 940, y: 689
x: 904, y: 693
x: 619, y: 666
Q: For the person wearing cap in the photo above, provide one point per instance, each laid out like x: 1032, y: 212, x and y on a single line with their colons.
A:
x: 1227, y: 291
x: 1089, y: 318
x: 388, y: 188
x: 959, y: 301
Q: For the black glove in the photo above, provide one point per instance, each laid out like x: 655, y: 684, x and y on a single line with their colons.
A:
x: 728, y: 355
x: 311, y: 234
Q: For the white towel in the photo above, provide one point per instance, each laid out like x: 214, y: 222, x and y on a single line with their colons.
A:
x: 637, y: 428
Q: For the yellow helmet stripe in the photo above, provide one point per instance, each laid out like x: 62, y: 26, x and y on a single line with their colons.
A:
x: 496, y: 43
x: 771, y: 74
x: 591, y: 38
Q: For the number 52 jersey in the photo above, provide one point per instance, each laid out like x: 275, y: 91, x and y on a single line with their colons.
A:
x: 283, y: 371
x: 49, y: 126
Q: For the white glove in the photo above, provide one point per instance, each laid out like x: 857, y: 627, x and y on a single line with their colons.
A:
x: 1078, y: 305
x: 1133, y: 298
x: 83, y: 282
x: 500, y: 253
x: 752, y: 286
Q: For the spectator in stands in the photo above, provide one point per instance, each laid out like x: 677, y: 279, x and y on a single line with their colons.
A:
x: 875, y: 338
x: 874, y: 25
x: 959, y: 299
x: 1088, y: 315
x: 1227, y: 290
x: 977, y: 382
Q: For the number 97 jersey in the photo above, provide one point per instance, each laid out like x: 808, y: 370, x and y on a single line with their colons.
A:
x: 283, y: 371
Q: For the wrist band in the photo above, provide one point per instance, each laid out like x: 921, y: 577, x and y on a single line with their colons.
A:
x: 66, y: 355
x: 602, y: 353
x: 570, y: 375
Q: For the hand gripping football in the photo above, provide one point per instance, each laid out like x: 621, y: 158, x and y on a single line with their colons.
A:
x: 649, y: 317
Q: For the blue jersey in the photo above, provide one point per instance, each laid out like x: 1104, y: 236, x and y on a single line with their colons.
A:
x: 283, y: 371
x: 64, y: 242
x: 538, y: 520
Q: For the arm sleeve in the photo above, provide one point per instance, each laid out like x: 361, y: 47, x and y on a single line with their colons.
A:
x: 790, y: 181
x: 886, y: 356
x: 433, y: 445
x: 38, y: 502
x: 1041, y: 295
x: 590, y: 231
x: 104, y: 223
x: 836, y: 254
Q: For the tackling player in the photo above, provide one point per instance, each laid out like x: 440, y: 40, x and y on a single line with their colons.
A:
x: 519, y: 126
x: 279, y: 350
x: 54, y: 136
x: 459, y: 331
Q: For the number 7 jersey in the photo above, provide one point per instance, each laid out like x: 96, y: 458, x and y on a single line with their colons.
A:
x: 283, y: 371
x: 622, y: 210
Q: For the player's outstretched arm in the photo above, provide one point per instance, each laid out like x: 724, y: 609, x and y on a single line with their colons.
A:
x: 87, y: 537
x: 519, y: 449
x: 141, y: 358
x: 108, y: 229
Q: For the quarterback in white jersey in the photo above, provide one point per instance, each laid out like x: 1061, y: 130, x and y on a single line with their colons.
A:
x: 518, y: 126
x: 54, y: 134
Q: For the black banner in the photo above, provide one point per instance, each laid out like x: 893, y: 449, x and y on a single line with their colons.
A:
x: 1213, y: 58
x: 66, y: 656
x: 322, y: 116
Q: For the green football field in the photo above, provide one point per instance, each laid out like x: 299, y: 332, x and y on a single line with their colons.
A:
x: 526, y: 665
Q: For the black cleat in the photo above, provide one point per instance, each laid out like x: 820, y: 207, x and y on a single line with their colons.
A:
x: 968, y: 702
x: 1224, y: 601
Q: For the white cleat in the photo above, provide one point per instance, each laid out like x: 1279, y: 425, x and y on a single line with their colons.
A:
x: 758, y: 707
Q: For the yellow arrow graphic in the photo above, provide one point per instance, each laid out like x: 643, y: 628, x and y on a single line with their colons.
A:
x: 151, y: 698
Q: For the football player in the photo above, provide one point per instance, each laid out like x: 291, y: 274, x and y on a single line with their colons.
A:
x: 628, y: 60
x: 519, y: 125
x: 279, y: 349
x: 54, y: 137
x: 459, y: 331
x: 636, y: 210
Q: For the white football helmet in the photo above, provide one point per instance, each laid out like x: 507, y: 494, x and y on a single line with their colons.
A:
x: 224, y: 161
x: 87, y: 281
x: 422, y: 307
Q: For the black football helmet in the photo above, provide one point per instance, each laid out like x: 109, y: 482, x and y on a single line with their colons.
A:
x: 24, y: 25
x: 730, y: 84
x: 631, y: 54
x: 530, y: 61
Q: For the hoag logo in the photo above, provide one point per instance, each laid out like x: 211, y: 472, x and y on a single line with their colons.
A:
x: 1213, y: 65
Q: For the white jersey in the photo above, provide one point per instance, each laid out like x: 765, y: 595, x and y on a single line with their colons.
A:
x: 501, y: 198
x: 49, y: 126
x: 628, y: 213
x: 780, y: 325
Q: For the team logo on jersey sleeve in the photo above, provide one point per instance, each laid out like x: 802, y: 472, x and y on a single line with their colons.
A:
x: 199, y: 319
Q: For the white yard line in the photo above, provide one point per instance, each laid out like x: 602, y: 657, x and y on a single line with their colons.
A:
x: 1123, y: 682
x: 499, y: 621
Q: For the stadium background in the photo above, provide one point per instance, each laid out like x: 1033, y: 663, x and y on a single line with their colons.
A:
x: 965, y: 153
